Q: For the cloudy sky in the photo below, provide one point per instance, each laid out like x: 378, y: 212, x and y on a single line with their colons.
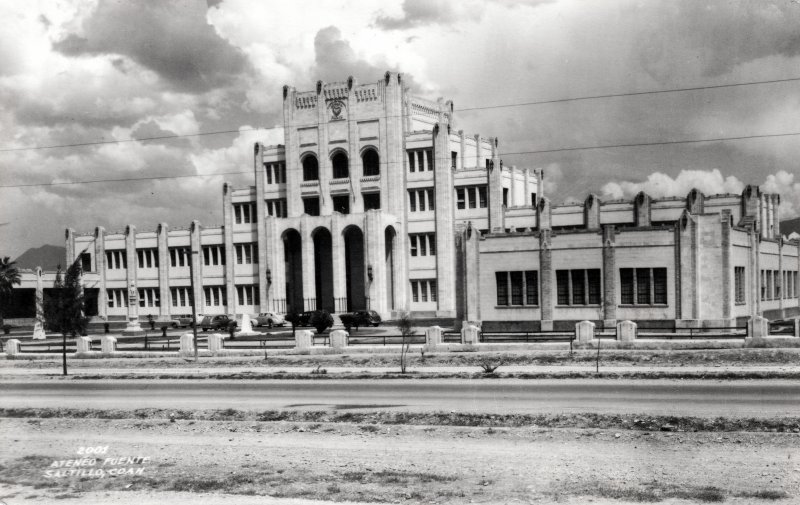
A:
x: 89, y: 71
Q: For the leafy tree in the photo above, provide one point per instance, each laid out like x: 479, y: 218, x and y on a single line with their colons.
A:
x: 405, y: 325
x: 9, y: 276
x: 321, y: 320
x: 65, y: 313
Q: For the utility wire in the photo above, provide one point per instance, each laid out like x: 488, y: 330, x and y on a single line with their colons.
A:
x: 539, y: 151
x: 486, y: 107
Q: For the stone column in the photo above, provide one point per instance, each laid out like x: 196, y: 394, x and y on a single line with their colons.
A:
x: 539, y: 184
x: 393, y: 155
x: 764, y: 216
x: 609, y: 276
x: 108, y: 344
x: 230, y: 253
x: 163, y: 270
x: 495, y: 192
x: 641, y: 209
x: 38, y: 326
x: 264, y: 262
x: 591, y: 212
x: 512, y: 191
x: 187, y: 343
x: 444, y: 218
x: 100, y: 266
x: 584, y: 332
x: 469, y: 335
x: 374, y: 250
x: 728, y: 296
x: 291, y: 141
x: 780, y: 279
x: 12, y: 347
x: 546, y: 279
x: 338, y: 339
x: 472, y: 274
x: 338, y: 261
x: 626, y: 331
x: 309, y: 271
x: 133, y: 327
x: 433, y: 336
x: 304, y: 340
x: 196, y: 257
x: 274, y: 266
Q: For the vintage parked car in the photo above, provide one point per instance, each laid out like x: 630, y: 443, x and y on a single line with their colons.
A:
x: 184, y: 320
x: 269, y: 319
x: 360, y: 318
x: 219, y: 322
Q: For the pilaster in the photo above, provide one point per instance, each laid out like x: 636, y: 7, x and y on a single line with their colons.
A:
x: 339, y: 267
x: 197, y: 266
x: 641, y: 212
x: 309, y: 272
x: 163, y: 269
x: 546, y: 275
x: 591, y: 212
x: 472, y: 266
x: 374, y: 249
x: 133, y: 327
x: 69, y: 246
x: 444, y: 212
x: 495, y: 176
x: 393, y: 157
x: 325, y: 167
x: 100, y: 266
x: 781, y: 298
x: 274, y: 280
x: 291, y: 140
x: 728, y: 295
x: 261, y: 231
x: 609, y: 275
x: 230, y: 256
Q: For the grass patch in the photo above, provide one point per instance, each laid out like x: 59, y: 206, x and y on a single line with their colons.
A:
x: 369, y: 420
x: 764, y: 494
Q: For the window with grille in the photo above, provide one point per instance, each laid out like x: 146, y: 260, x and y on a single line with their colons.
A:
x: 147, y: 258
x: 148, y: 297
x: 517, y: 288
x: 422, y: 244
x: 420, y: 200
x: 244, y: 213
x: 276, y: 207
x: 643, y: 286
x: 246, y: 254
x: 213, y: 255
x: 179, y: 257
x: 247, y: 294
x: 181, y: 297
x: 214, y: 296
x: 423, y: 290
x: 116, y: 259
x: 578, y: 287
x: 117, y: 298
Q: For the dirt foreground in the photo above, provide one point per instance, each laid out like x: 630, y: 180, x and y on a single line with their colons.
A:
x: 158, y: 460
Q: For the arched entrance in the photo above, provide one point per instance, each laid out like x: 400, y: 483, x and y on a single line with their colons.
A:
x: 323, y: 268
x: 389, y: 241
x: 293, y: 261
x: 354, y: 268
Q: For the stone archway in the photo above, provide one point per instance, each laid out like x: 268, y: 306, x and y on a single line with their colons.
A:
x: 323, y: 268
x: 354, y: 268
x: 293, y: 264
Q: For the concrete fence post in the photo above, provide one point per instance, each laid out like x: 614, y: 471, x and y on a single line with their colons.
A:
x: 626, y: 331
x: 339, y: 339
x: 757, y: 327
x: 216, y: 342
x: 797, y: 327
x: 108, y: 344
x: 12, y: 347
x: 303, y: 340
x: 187, y: 343
x: 433, y: 336
x: 83, y: 345
x: 469, y: 335
x: 584, y: 332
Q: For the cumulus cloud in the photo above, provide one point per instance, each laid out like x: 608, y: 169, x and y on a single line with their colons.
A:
x: 710, y: 182
x: 171, y: 38
x: 426, y: 12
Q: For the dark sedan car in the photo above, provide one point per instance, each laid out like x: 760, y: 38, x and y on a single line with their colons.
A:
x: 367, y: 317
x: 219, y: 322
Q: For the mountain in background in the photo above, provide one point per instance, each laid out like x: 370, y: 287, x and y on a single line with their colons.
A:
x: 48, y: 257
x: 788, y: 226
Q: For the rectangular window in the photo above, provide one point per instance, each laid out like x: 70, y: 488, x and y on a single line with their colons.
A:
x: 148, y: 297
x: 117, y: 298
x: 245, y: 253
x: 501, y: 279
x: 482, y: 196
x: 626, y: 285
x: 214, y: 295
x: 429, y: 158
x: 86, y: 262
x: 341, y: 204
x: 593, y: 276
x: 414, y: 291
x: 432, y: 286
x: 473, y: 198
x: 179, y: 257
x: 147, y: 258
x: 516, y: 288
x: 460, y: 202
x: 311, y: 206
x: 371, y: 200
x: 213, y: 255
x: 420, y: 161
x: 423, y: 245
x: 276, y: 207
x: 431, y: 199
x: 244, y: 213
x: 562, y: 287
x: 116, y: 259
x: 531, y: 287
x: 777, y: 283
x: 453, y: 160
x: 412, y: 201
x: 411, y: 161
x: 505, y: 197
x: 247, y: 294
x: 578, y: 287
x: 180, y: 297
x: 412, y: 240
x: 643, y: 286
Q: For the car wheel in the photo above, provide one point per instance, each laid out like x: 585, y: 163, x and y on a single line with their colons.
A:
x: 269, y: 323
x: 205, y: 329
x: 375, y: 324
x: 174, y: 325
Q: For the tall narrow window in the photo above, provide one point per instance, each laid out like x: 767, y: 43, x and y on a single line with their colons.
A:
x: 460, y: 202
x: 660, y: 286
x: 502, y: 287
x: 626, y: 285
x: 593, y: 276
x: 371, y: 162
x: 643, y: 286
x: 340, y: 165
x: 578, y: 287
x: 531, y: 287
x: 562, y: 287
x: 310, y: 168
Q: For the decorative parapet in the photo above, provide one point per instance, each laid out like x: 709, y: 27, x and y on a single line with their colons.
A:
x: 306, y: 100
x: 370, y: 178
x: 367, y: 93
x: 336, y: 91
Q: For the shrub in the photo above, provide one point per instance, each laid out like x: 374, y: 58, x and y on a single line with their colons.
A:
x: 348, y: 321
x: 321, y: 320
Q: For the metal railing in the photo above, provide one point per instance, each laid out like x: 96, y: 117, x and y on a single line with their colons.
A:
x: 416, y: 338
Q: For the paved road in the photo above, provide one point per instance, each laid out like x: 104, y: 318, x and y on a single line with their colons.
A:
x: 695, y: 398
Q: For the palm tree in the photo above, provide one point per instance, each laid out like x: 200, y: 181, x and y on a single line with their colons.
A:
x: 9, y: 275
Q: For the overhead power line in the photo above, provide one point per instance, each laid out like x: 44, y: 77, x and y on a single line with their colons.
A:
x: 538, y: 151
x: 465, y: 109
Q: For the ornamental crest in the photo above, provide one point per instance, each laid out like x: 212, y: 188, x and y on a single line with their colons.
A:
x: 336, y: 109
